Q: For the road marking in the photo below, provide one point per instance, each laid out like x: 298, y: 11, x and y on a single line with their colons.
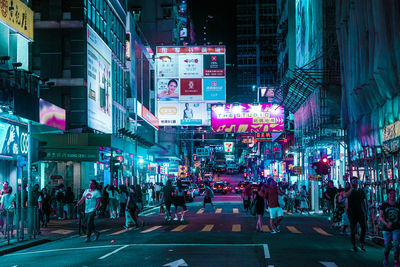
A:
x: 218, y: 210
x: 236, y: 228
x: 148, y: 214
x: 266, y: 251
x: 235, y: 210
x: 104, y: 230
x: 208, y: 228
x: 328, y: 263
x: 62, y: 232
x: 265, y: 228
x: 180, y: 262
x: 113, y: 252
x: 293, y: 229
x: 200, y: 211
x: 321, y: 231
x: 179, y: 228
x: 121, y: 232
x: 151, y: 229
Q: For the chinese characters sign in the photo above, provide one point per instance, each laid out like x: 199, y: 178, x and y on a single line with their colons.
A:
x: 245, y: 118
x: 18, y: 16
x: 228, y: 147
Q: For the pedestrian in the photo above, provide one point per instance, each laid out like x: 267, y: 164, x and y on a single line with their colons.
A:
x: 291, y: 200
x: 44, y: 209
x: 92, y: 198
x: 3, y: 192
x: 343, y: 202
x: 69, y: 202
x: 104, y: 201
x: 275, y: 211
x: 208, y: 195
x: 132, y: 211
x: 166, y: 198
x: 179, y: 200
x: 330, y: 194
x: 356, y: 208
x: 246, y: 195
x: 158, y: 191
x: 7, y: 208
x: 260, y: 204
x: 389, y: 215
x: 60, y: 200
x: 36, y: 204
x: 123, y: 197
x: 304, y: 200
x: 139, y: 197
x: 113, y: 201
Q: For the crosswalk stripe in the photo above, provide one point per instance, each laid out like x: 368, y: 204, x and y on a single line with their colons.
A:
x: 62, y: 232
x: 218, y: 210
x: 200, y: 211
x: 235, y: 210
x: 236, y: 228
x: 104, y: 230
x: 120, y: 232
x: 208, y: 228
x: 293, y: 229
x: 265, y: 228
x: 151, y: 229
x: 179, y: 228
x: 321, y: 231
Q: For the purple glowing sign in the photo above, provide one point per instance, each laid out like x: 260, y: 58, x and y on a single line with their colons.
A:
x: 51, y: 115
x: 247, y: 118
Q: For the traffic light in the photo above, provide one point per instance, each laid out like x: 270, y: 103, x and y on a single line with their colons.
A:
x: 262, y: 173
x: 323, y: 166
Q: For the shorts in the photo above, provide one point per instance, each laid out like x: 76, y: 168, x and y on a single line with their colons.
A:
x: 275, y: 212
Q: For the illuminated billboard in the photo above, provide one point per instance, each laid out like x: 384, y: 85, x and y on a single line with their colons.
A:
x: 51, y: 115
x: 247, y: 118
x: 189, y: 78
x: 99, y: 83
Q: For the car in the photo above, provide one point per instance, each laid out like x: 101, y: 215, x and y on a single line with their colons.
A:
x: 240, y: 187
x: 220, y: 167
x: 220, y: 187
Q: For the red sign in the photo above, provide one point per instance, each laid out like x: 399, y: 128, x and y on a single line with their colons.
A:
x: 149, y: 117
x: 191, y: 87
x: 190, y: 49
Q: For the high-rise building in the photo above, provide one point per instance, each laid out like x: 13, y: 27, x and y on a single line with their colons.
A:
x: 256, y: 46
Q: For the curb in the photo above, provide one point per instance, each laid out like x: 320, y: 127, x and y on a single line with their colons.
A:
x: 16, y: 246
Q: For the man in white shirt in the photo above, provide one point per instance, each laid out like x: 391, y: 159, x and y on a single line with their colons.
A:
x: 8, y: 205
x: 92, y: 198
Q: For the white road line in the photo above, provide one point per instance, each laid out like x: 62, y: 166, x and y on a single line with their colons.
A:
x: 266, y: 251
x: 59, y: 249
x: 328, y: 263
x: 113, y: 252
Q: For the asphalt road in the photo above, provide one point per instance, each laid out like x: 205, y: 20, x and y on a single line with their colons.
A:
x: 224, y: 236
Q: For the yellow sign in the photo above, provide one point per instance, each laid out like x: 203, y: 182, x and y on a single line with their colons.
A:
x: 18, y: 16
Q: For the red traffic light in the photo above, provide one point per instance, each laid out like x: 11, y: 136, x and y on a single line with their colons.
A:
x: 325, y: 160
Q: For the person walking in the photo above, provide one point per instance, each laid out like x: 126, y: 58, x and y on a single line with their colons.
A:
x: 303, y: 200
x: 132, y: 210
x: 356, y: 209
x: 330, y: 194
x: 45, y: 208
x: 3, y: 192
x: 113, y: 201
x: 291, y: 200
x: 275, y: 211
x: 158, y: 188
x: 166, y: 198
x: 7, y: 207
x: 208, y: 195
x: 179, y: 200
x: 139, y: 197
x: 389, y: 215
x: 246, y: 195
x: 92, y: 198
x: 260, y: 204
x: 69, y: 202
x: 60, y: 199
x: 123, y: 197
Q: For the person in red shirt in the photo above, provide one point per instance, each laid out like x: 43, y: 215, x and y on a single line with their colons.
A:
x: 275, y: 211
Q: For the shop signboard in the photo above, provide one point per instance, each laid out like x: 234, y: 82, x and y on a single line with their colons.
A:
x: 18, y: 16
x: 202, y: 152
x: 51, y: 115
x: 191, y: 113
x: 99, y: 77
x: 244, y: 118
x: 149, y: 117
x: 228, y: 147
x: 13, y: 140
x: 189, y: 74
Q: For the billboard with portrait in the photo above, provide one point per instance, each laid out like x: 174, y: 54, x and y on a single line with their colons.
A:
x: 192, y: 113
x: 99, y: 83
x: 168, y: 89
x: 51, y: 115
x: 245, y: 118
x: 13, y: 140
x: 199, y: 72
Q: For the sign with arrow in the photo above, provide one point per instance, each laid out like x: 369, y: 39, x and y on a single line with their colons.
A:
x: 177, y: 263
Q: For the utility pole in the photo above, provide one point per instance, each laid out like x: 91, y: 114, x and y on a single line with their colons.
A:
x: 29, y: 165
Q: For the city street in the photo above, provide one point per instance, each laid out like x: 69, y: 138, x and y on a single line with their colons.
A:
x: 212, y: 237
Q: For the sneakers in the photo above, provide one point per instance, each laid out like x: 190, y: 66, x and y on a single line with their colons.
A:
x: 182, y: 219
x: 274, y: 232
x: 355, y: 249
x: 126, y: 227
x: 176, y: 218
x: 362, y: 247
x: 97, y: 236
x: 278, y: 228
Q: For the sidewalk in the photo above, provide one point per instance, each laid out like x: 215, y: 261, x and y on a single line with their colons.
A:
x: 58, y: 229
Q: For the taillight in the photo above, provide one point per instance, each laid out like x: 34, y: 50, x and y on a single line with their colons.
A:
x: 225, y: 188
x: 236, y: 187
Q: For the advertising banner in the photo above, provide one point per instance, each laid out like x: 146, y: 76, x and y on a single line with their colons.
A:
x: 214, y: 89
x: 168, y: 113
x: 149, y: 117
x: 18, y: 16
x: 214, y: 65
x: 202, y: 152
x: 167, y: 66
x: 168, y: 89
x: 99, y: 83
x: 13, y: 140
x: 191, y: 89
x: 51, y: 115
x: 191, y: 113
x: 190, y: 66
x: 244, y: 118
